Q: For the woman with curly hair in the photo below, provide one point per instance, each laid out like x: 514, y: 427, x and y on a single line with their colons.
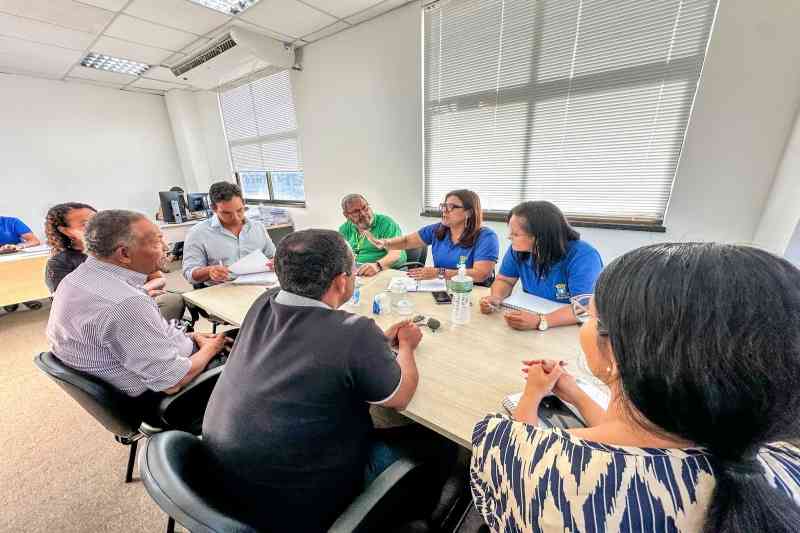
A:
x: 64, y: 226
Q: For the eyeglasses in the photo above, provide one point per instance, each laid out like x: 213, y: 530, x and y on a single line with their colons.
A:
x: 581, y: 310
x: 450, y: 207
x: 354, y: 212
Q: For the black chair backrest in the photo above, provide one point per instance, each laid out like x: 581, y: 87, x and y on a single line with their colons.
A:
x: 417, y: 255
x: 175, y: 470
x: 117, y: 412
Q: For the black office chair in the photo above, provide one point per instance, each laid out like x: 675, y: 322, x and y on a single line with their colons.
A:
x: 121, y: 414
x: 175, y: 474
x: 415, y: 258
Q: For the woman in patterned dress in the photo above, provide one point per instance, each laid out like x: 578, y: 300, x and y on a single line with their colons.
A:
x: 699, y: 344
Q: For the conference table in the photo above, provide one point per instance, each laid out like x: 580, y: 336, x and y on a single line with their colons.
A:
x: 22, y: 276
x: 465, y: 370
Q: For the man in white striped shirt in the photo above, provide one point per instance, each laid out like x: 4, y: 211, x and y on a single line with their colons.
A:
x: 104, y: 323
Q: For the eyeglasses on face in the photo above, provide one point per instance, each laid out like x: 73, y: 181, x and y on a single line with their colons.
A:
x: 354, y: 212
x: 450, y: 207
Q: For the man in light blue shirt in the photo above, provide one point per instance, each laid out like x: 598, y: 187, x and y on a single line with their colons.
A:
x: 215, y: 244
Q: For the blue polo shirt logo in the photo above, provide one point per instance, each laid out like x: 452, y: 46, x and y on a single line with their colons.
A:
x: 561, y: 291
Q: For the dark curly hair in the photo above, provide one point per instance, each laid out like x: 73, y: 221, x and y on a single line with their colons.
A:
x: 57, y: 216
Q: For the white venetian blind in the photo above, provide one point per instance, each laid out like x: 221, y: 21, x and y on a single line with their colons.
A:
x: 580, y: 102
x: 260, y: 123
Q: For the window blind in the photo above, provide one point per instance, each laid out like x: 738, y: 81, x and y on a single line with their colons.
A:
x: 260, y: 123
x: 584, y: 103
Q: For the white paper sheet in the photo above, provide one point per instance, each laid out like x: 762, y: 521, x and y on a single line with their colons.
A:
x: 425, y: 285
x: 529, y: 302
x: 35, y: 249
x: 252, y: 263
x: 259, y: 278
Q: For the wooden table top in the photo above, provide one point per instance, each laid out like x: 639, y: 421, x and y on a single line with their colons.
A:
x: 465, y: 370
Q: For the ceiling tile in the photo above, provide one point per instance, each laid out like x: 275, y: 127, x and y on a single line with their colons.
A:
x: 383, y: 7
x: 141, y: 31
x: 342, y: 8
x: 325, y: 32
x: 87, y: 73
x: 112, y: 5
x: 128, y: 50
x: 287, y: 16
x: 178, y: 14
x: 95, y: 83
x: 160, y: 73
x: 62, y: 12
x: 32, y: 58
x: 42, y: 32
x: 157, y: 85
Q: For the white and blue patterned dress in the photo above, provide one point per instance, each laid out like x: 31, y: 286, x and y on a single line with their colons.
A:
x: 527, y: 478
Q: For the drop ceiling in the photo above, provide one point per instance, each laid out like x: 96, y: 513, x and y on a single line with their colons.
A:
x: 48, y: 38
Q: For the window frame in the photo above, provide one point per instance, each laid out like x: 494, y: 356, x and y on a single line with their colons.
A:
x: 271, y: 200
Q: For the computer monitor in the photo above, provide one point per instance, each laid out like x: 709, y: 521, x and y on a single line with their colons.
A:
x: 173, y: 206
x: 198, y: 202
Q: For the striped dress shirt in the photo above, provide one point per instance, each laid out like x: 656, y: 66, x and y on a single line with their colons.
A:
x: 103, y: 323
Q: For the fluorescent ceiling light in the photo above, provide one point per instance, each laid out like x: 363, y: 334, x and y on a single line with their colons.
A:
x: 114, y: 64
x: 229, y: 7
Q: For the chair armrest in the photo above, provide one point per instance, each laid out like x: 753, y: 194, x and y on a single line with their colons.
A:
x: 384, y: 501
x: 190, y: 402
x: 406, y: 266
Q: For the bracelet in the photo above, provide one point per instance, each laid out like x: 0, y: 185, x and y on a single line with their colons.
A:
x: 380, y: 266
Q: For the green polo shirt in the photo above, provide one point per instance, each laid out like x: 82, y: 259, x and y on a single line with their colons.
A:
x: 382, y: 227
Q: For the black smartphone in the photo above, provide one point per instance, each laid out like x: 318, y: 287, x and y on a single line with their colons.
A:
x: 441, y: 297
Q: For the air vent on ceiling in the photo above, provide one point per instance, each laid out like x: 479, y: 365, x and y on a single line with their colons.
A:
x: 226, y: 43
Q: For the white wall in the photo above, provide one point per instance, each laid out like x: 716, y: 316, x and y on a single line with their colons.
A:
x: 358, y: 104
x: 63, y: 142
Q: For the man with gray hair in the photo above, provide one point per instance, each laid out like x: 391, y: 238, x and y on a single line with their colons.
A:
x: 103, y: 322
x: 360, y: 218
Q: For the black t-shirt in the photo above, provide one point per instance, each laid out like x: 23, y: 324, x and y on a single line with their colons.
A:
x: 288, y: 421
x: 60, y: 265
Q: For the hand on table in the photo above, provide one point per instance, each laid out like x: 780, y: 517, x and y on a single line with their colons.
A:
x: 219, y: 273
x: 409, y: 336
x: 521, y: 320
x: 490, y: 304
x: 368, y: 269
x: 391, y: 333
x: 423, y: 273
x: 7, y: 248
x: 566, y: 388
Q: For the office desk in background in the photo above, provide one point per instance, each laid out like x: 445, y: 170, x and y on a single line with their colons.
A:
x: 465, y: 371
x: 174, y: 233
x: 22, y: 277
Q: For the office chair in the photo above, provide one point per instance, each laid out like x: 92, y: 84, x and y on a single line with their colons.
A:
x: 121, y: 414
x: 415, y: 258
x: 174, y: 468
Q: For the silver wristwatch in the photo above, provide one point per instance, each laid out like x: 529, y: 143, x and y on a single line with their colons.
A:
x: 542, y: 323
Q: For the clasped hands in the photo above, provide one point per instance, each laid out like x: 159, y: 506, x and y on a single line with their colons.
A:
x: 404, y: 334
x: 217, y: 342
x: 548, y: 376
x: 519, y: 320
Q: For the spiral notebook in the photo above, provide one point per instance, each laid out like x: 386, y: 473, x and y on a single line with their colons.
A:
x: 523, y: 301
x: 600, y: 396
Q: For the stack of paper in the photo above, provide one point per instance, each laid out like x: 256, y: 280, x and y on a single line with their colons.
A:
x: 413, y: 285
x: 252, y: 270
x: 529, y: 302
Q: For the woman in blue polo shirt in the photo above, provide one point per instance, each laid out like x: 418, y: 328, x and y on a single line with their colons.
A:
x: 459, y: 234
x: 552, y: 261
x: 15, y: 235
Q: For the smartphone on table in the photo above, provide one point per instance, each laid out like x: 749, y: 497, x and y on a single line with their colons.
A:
x: 442, y: 297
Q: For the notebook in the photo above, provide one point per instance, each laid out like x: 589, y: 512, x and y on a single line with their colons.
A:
x: 600, y: 396
x: 523, y: 301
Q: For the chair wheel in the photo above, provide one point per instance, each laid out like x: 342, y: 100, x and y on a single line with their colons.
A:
x: 33, y: 305
x: 11, y: 308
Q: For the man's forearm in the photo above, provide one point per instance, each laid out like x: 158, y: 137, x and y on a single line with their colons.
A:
x: 201, y: 274
x: 389, y: 259
x: 408, y: 367
x: 199, y: 361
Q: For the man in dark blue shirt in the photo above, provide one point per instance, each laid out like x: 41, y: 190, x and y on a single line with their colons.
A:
x: 14, y: 235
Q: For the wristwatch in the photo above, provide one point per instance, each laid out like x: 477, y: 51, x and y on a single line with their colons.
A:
x: 542, y: 323
x: 440, y: 273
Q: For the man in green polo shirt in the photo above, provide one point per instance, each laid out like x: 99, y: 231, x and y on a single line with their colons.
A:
x: 360, y: 217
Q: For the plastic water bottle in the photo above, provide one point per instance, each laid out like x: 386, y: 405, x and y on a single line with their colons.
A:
x: 461, y: 288
x: 355, y: 300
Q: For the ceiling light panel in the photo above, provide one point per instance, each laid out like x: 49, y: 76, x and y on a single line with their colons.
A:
x: 229, y: 7
x: 114, y: 64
